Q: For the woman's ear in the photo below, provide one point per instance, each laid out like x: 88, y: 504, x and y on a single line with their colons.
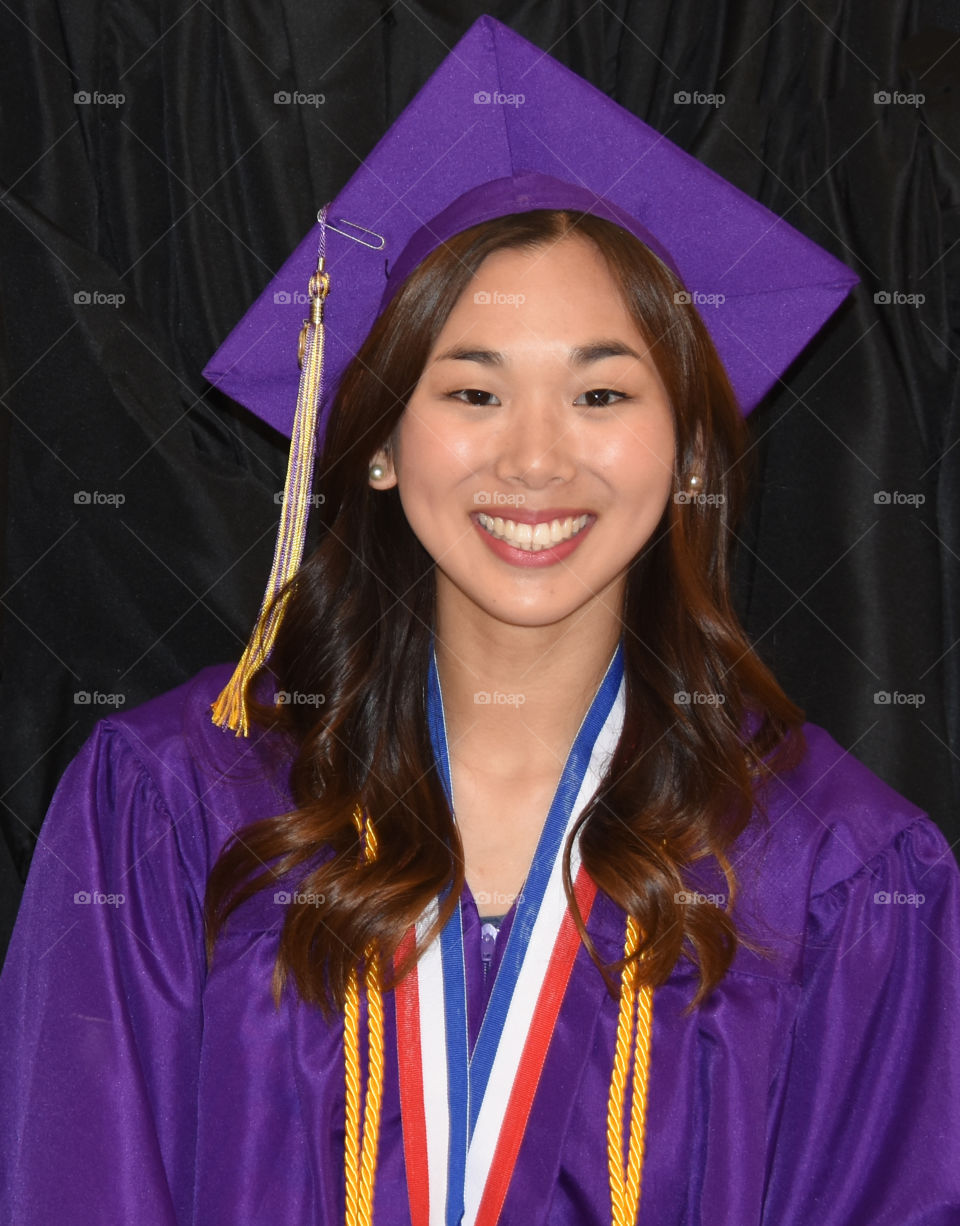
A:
x: 382, y: 473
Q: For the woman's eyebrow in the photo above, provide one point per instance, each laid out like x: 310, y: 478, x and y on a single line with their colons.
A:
x: 580, y: 355
x: 596, y: 351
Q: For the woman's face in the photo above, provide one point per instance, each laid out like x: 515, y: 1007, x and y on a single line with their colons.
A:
x: 535, y: 456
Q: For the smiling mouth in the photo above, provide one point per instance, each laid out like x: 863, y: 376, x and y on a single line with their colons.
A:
x: 533, y: 537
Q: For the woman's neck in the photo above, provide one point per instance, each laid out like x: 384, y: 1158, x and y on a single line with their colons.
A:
x: 515, y: 696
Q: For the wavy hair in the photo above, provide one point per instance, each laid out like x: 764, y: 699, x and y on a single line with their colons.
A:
x: 357, y: 627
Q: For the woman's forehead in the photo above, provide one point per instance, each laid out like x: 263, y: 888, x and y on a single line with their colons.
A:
x: 559, y: 288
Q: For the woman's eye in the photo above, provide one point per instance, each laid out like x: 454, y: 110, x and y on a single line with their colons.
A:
x: 474, y: 396
x: 597, y: 397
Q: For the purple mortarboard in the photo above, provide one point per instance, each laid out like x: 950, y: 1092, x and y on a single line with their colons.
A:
x: 500, y: 128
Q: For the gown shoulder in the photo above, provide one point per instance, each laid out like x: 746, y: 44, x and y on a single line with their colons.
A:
x: 830, y: 835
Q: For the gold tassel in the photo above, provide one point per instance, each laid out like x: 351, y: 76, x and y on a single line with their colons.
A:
x: 230, y: 709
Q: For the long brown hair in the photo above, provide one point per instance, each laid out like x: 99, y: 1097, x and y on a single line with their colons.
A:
x: 357, y: 629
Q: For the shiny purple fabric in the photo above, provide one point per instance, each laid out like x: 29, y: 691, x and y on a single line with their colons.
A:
x: 499, y: 107
x: 520, y: 193
x: 821, y: 1085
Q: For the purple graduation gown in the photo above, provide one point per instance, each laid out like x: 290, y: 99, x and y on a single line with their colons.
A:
x: 821, y: 1085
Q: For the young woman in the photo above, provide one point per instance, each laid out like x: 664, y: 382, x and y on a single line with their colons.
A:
x: 527, y: 897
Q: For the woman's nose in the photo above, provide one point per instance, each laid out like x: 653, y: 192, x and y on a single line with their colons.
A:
x: 536, y: 444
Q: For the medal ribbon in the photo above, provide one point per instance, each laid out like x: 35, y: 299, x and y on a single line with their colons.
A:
x: 464, y: 1116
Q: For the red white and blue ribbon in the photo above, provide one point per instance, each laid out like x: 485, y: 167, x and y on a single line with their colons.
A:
x: 464, y: 1115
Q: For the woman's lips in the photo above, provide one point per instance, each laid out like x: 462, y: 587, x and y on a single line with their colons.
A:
x: 547, y: 556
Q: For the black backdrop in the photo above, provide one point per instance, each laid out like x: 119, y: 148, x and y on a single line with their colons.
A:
x: 134, y: 232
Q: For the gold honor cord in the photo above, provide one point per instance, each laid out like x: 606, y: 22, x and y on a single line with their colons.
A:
x: 230, y: 710
x: 360, y: 1156
x: 625, y: 1187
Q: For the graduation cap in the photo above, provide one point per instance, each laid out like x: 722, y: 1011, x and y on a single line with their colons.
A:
x: 501, y: 127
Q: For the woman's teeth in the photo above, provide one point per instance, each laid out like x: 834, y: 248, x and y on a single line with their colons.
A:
x: 532, y: 537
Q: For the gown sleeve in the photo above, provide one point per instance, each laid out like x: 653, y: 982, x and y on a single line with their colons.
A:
x: 100, y: 1007
x: 866, y: 1115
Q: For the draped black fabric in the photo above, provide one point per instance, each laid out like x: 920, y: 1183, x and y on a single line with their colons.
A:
x: 151, y: 185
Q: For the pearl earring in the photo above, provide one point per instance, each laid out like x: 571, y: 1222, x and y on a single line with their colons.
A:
x: 376, y: 472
